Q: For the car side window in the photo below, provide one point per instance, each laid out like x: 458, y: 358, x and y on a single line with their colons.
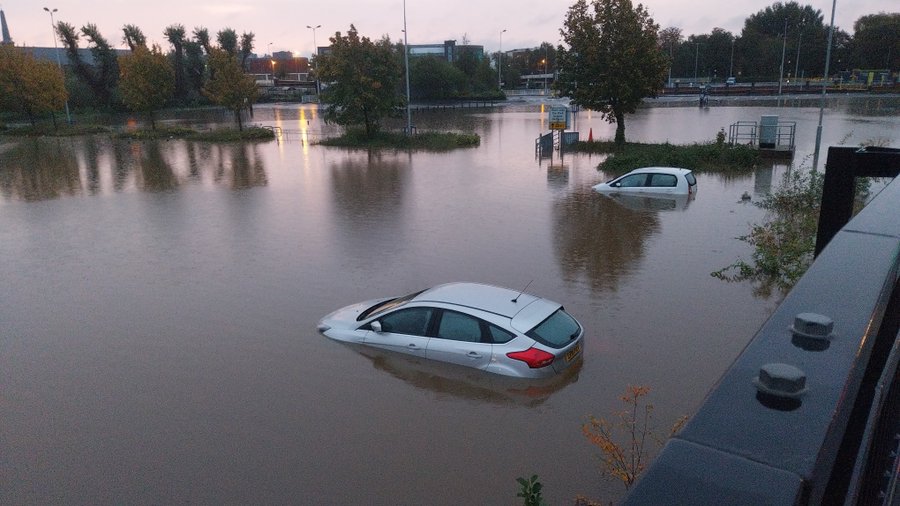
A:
x: 411, y: 321
x: 663, y: 180
x: 633, y: 181
x: 459, y: 327
x: 498, y: 335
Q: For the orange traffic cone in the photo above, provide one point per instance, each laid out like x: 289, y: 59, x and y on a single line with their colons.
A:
x: 591, y: 135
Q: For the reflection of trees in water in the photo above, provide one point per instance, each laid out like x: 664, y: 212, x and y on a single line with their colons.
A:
x: 368, y: 195
x: 39, y: 169
x: 247, y: 169
x: 155, y: 173
x: 46, y: 168
x: 874, y: 106
x: 599, y: 238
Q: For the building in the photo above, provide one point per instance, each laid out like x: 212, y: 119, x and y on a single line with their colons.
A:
x: 6, y: 39
x: 449, y: 50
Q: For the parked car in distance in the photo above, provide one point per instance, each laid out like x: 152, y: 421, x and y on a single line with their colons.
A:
x: 666, y: 180
x: 730, y: 81
x: 494, y: 329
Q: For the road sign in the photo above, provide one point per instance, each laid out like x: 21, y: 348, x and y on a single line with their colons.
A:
x: 559, y: 118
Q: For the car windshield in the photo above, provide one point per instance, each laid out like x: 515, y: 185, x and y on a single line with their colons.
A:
x: 388, y: 304
x: 557, y: 330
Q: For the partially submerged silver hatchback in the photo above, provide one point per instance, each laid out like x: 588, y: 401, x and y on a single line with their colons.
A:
x: 482, y: 326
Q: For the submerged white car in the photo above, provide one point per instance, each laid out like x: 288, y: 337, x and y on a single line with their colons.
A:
x: 482, y: 326
x: 663, y: 180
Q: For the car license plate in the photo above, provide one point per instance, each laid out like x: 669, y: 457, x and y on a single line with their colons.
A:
x: 573, y: 352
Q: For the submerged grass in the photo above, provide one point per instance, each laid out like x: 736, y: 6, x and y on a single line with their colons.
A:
x: 62, y: 130
x: 218, y: 135
x: 427, y: 141
x: 705, y: 157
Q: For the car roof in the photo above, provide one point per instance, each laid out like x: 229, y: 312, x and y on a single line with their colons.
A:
x: 662, y: 170
x: 489, y: 298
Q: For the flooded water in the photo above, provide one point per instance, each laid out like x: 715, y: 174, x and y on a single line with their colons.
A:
x: 158, y: 315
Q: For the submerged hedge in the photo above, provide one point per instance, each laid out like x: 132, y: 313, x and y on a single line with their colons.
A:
x: 428, y: 141
x: 706, y: 157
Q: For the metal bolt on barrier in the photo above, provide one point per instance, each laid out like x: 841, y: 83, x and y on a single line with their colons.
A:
x: 812, y: 326
x: 781, y: 380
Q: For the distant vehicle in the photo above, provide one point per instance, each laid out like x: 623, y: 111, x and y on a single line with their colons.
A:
x: 730, y: 81
x: 665, y: 180
x: 490, y: 328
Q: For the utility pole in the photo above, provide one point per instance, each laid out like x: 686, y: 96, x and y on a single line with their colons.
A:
x: 499, y: 62
x: 406, y: 59
x: 315, y: 53
x: 824, y: 88
x: 58, y: 62
x: 781, y: 74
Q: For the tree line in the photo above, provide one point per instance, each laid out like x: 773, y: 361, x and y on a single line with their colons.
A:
x: 754, y: 54
x: 195, y: 71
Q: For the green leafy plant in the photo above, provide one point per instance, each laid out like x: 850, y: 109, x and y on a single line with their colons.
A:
x: 530, y: 491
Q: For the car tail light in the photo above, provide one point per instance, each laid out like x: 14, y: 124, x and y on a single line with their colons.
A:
x: 534, y: 357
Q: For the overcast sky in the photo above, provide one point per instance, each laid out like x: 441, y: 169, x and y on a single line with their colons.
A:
x: 283, y: 22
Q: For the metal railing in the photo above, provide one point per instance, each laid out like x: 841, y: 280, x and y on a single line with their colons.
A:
x: 809, y: 413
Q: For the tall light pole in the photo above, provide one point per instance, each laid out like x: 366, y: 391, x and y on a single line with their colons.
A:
x: 797, y: 63
x: 696, y: 59
x: 406, y: 61
x: 731, y: 62
x: 781, y: 72
x: 272, y: 61
x: 500, y: 62
x: 315, y: 54
x: 824, y: 87
x: 58, y: 62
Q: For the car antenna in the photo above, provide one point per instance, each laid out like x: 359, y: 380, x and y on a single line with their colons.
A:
x: 516, y: 299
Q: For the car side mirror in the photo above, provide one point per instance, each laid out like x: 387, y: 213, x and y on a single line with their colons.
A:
x: 376, y: 326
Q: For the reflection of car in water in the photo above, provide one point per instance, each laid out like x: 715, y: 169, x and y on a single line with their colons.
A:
x: 664, y: 180
x: 481, y: 326
x: 651, y: 201
x: 466, y: 383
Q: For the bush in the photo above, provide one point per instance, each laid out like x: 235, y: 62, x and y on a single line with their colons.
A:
x: 710, y: 157
x: 429, y: 141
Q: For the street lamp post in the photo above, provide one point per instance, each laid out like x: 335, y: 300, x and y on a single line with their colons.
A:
x: 824, y: 88
x: 272, y: 61
x: 731, y: 61
x: 58, y: 62
x: 500, y: 62
x: 315, y: 55
x: 797, y: 63
x: 781, y: 72
x: 406, y: 62
x: 696, y: 59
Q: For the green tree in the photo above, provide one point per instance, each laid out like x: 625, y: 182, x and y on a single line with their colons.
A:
x: 133, y: 37
x: 363, y: 78
x: 28, y: 86
x: 175, y: 35
x: 147, y: 81
x: 433, y: 77
x: 102, y: 77
x: 228, y: 86
x: 876, y: 41
x: 612, y: 60
x: 759, y: 48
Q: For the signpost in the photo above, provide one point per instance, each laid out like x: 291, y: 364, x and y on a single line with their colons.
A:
x: 559, y: 118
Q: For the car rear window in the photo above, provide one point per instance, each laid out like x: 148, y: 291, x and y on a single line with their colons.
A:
x: 557, y: 330
x: 690, y: 178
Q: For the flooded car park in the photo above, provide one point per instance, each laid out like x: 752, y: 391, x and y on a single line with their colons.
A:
x: 160, y: 302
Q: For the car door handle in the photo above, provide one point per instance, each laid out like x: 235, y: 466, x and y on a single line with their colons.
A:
x: 412, y: 346
x: 473, y: 354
